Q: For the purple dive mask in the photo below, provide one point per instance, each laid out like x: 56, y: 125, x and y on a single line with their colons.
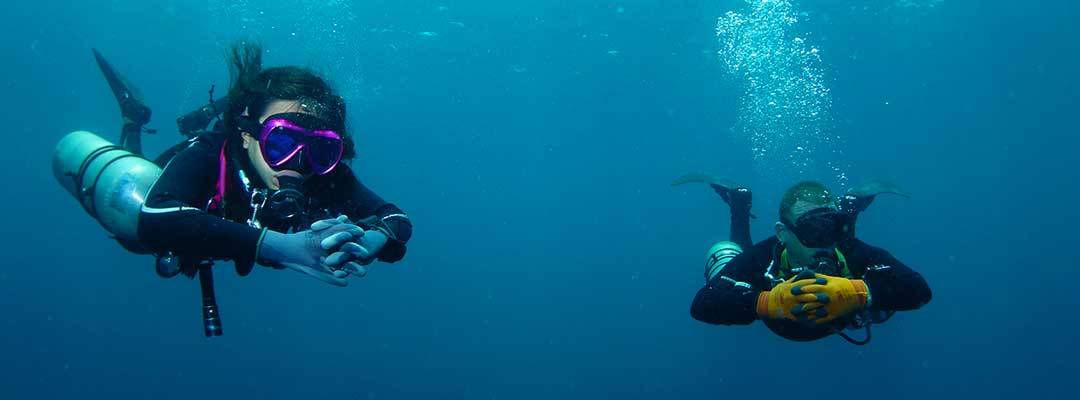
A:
x: 297, y: 141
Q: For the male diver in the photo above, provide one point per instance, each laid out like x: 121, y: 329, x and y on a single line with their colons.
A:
x: 814, y: 278
x: 267, y: 185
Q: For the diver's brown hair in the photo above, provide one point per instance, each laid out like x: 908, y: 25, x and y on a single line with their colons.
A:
x: 253, y: 88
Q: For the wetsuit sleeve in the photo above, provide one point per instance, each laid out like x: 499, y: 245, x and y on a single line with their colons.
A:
x: 172, y: 218
x: 729, y: 298
x: 372, y: 212
x: 893, y: 285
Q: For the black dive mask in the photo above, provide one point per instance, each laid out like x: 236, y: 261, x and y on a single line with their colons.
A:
x: 286, y: 207
x: 821, y: 227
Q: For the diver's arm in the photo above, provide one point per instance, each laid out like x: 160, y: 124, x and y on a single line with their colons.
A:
x: 733, y: 296
x: 398, y: 229
x: 728, y: 298
x: 372, y: 212
x: 893, y: 286
x: 172, y: 218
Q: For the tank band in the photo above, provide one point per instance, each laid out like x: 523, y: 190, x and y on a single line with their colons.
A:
x: 83, y: 193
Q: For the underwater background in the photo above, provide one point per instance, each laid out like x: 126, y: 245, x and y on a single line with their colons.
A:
x: 533, y: 144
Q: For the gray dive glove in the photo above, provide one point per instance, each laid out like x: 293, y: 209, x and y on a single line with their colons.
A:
x: 307, y: 252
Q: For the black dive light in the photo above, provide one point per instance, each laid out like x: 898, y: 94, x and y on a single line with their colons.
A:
x: 193, y: 123
x: 211, y: 316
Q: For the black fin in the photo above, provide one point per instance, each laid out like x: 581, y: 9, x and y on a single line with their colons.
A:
x: 733, y: 194
x: 134, y: 113
x: 858, y: 198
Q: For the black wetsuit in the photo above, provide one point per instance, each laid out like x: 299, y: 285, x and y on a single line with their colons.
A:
x: 730, y: 298
x: 177, y: 216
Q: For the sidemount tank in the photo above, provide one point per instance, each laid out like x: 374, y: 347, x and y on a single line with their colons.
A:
x: 718, y: 257
x: 109, y: 182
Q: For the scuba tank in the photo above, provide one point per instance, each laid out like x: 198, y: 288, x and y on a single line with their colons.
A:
x: 109, y: 182
x: 719, y: 255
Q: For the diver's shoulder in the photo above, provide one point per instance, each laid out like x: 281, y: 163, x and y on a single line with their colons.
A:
x: 765, y: 246
x: 200, y: 151
x: 213, y: 140
x: 858, y: 244
x: 208, y: 144
x: 763, y: 251
x: 857, y: 247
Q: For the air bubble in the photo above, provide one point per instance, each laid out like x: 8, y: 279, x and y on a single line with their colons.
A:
x: 785, y: 108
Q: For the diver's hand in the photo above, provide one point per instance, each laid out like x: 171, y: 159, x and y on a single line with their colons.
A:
x: 323, y: 224
x: 367, y: 249
x: 832, y: 297
x: 334, y: 242
x: 322, y: 273
x: 345, y: 262
x: 340, y: 260
x: 779, y: 302
x: 306, y: 251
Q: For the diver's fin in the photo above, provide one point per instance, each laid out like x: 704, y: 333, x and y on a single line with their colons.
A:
x: 726, y: 189
x: 860, y: 197
x: 131, y: 108
x: 697, y: 177
x: 134, y: 113
x: 876, y: 187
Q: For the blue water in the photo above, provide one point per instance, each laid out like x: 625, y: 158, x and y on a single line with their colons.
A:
x: 533, y: 144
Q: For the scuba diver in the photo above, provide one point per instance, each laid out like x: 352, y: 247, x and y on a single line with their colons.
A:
x: 811, y: 280
x: 267, y: 184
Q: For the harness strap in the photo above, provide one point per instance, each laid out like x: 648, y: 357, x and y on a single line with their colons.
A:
x: 219, y: 198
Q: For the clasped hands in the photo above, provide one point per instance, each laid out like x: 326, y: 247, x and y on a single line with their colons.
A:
x: 332, y: 250
x: 813, y: 298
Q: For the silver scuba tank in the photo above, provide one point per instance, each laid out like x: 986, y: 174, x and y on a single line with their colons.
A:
x: 109, y: 182
x: 718, y: 257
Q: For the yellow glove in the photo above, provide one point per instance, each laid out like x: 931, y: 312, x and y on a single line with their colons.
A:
x: 834, y: 297
x: 784, y: 297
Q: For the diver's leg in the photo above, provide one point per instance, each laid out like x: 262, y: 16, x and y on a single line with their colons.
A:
x: 740, y: 201
x: 740, y: 217
x: 131, y: 138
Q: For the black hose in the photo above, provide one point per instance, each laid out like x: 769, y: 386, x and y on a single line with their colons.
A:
x: 856, y: 342
x: 863, y: 320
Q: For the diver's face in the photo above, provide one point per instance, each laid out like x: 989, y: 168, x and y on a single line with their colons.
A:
x: 799, y: 253
x: 267, y: 174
